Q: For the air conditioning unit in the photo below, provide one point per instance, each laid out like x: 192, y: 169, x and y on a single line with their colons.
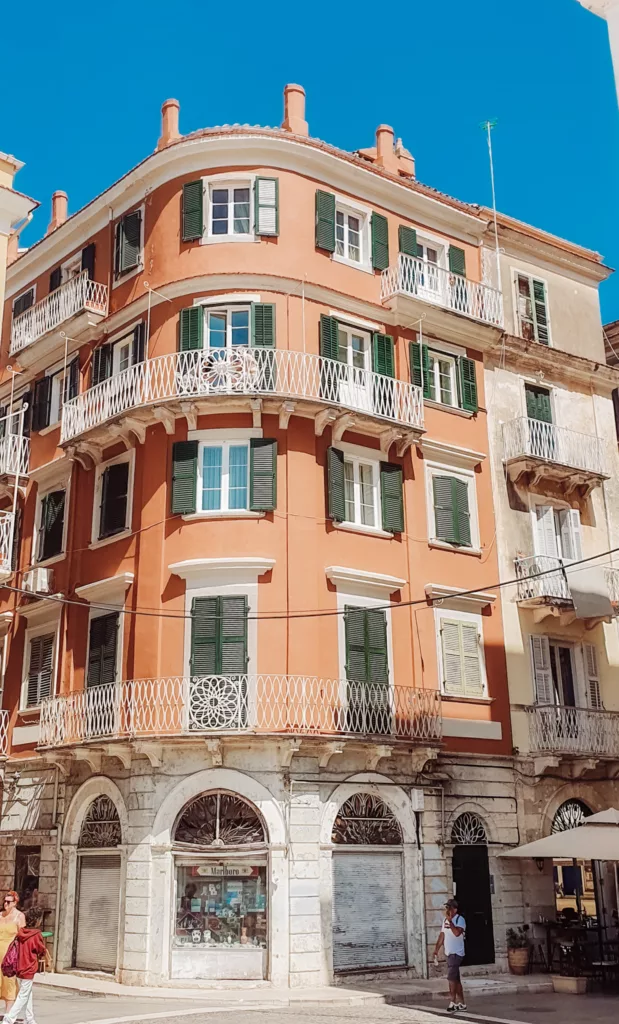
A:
x: 38, y: 581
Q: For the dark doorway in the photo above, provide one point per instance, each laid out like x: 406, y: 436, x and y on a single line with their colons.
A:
x: 471, y: 874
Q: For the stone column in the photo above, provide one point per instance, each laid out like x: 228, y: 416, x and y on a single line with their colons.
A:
x: 308, y: 965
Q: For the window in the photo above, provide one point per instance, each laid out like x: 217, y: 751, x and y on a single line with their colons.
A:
x: 230, y: 210
x: 565, y: 674
x: 353, y: 234
x: 363, y: 491
x: 461, y: 660
x: 103, y: 649
x: 40, y: 668
x: 112, y: 495
x: 532, y: 309
x: 119, y: 355
x: 348, y: 241
x: 452, y: 514
x: 71, y: 268
x: 50, y: 539
x: 442, y: 378
x: 539, y: 405
x: 51, y: 392
x: 129, y: 243
x: 354, y: 347
x: 218, y: 636
x: 556, y: 532
x: 224, y: 477
x: 367, y: 670
x: 227, y: 328
x: 27, y: 871
x: 23, y: 302
x: 431, y: 259
x: 445, y: 377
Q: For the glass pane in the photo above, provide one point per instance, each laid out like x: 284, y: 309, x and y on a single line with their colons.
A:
x: 342, y: 346
x: 241, y: 211
x: 445, y: 384
x: 339, y: 233
x: 349, y: 492
x: 239, y: 323
x: 211, y: 479
x: 221, y: 905
x: 354, y: 239
x: 358, y: 351
x: 366, y: 483
x: 124, y: 357
x: 217, y: 330
x: 237, y: 488
x: 219, y: 208
x: 432, y: 255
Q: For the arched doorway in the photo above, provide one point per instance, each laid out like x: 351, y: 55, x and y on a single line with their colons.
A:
x: 574, y: 881
x: 95, y: 942
x: 471, y: 875
x: 221, y: 905
x: 369, y: 923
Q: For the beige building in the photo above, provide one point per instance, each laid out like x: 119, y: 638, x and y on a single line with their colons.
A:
x: 15, y: 211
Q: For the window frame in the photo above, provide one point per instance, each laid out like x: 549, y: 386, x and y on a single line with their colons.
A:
x: 229, y: 181
x: 68, y: 264
x: 96, y: 541
x: 452, y: 359
x: 349, y: 330
x: 225, y: 446
x: 118, y: 277
x: 31, y: 288
x: 228, y: 310
x: 516, y: 273
x: 50, y: 627
x: 557, y: 509
x: 100, y: 613
x: 360, y: 599
x: 356, y: 461
x: 60, y: 485
x: 350, y: 208
x: 474, y: 618
x: 434, y: 468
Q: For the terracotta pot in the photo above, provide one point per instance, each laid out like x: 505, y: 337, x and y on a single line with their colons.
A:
x: 518, y: 960
x: 571, y: 986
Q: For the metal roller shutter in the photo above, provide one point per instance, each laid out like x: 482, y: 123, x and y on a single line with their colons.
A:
x: 98, y: 912
x: 368, y: 911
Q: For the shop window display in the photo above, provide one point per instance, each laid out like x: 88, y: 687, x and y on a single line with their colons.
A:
x: 221, y: 905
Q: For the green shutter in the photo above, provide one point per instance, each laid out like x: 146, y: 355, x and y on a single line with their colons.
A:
x: 462, y: 512
x: 538, y: 404
x: 128, y: 242
x: 193, y: 210
x: 184, y: 477
x: 457, y: 261
x: 41, y: 407
x: 392, y: 497
x: 52, y: 525
x: 55, y: 279
x: 233, y: 635
x: 444, y: 512
x: 266, y: 206
x: 383, y: 360
x: 366, y: 645
x: 336, y: 502
x: 325, y: 221
x: 40, y: 669
x: 380, y: 242
x: 262, y: 474
x: 428, y: 379
x: 191, y: 329
x: 540, y: 312
x: 468, y: 384
x: 407, y: 240
x: 329, y: 337
x: 263, y: 325
x: 205, y: 628
x: 355, y: 635
x: 376, y: 632
x: 101, y: 364
x: 102, y: 650
x: 414, y: 350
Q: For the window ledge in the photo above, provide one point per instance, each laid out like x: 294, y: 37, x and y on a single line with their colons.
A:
x: 467, y: 700
x: 48, y: 430
x: 102, y: 542
x: 31, y: 712
x: 365, y: 267
x: 239, y: 513
x: 217, y: 239
x: 370, y: 531
x: 49, y: 561
x: 446, y: 546
x: 431, y: 404
x: 121, y: 278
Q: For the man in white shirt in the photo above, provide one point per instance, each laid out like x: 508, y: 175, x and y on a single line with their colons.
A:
x: 452, y: 938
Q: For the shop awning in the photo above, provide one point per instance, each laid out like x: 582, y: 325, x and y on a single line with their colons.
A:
x: 596, y: 839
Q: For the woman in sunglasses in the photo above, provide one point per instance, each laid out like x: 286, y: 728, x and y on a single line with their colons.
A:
x: 11, y: 920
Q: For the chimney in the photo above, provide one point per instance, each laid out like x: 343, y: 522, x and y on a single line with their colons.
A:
x: 169, y: 123
x: 12, y: 248
x: 60, y: 204
x: 294, y: 110
x: 385, y: 152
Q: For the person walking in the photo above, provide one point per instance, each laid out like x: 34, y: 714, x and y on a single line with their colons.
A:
x: 11, y: 920
x: 452, y: 937
x: 30, y: 947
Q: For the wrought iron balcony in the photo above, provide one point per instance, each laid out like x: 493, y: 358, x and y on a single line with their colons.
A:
x: 555, y: 729
x: 543, y: 579
x: 253, y: 704
x: 544, y: 449
x: 79, y: 295
x: 14, y: 451
x: 7, y: 526
x: 270, y: 373
x: 4, y: 733
x: 431, y: 284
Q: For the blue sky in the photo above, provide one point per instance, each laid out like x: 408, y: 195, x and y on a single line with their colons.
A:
x: 91, y: 79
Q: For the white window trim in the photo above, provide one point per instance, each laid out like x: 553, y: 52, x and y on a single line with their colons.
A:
x: 374, y: 464
x: 460, y: 616
x: 31, y: 288
x: 452, y: 360
x: 66, y: 265
x: 543, y: 386
x: 63, y: 484
x: 346, y: 205
x: 516, y: 272
x: 578, y: 667
x: 225, y: 477
x: 117, y: 280
x: 51, y: 625
x: 229, y: 299
x: 236, y: 179
x: 433, y: 469
x: 227, y: 309
x: 234, y: 434
x: 360, y: 453
x: 95, y: 540
x: 434, y: 242
x: 347, y: 320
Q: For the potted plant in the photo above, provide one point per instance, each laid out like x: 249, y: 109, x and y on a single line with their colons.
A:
x: 518, y: 949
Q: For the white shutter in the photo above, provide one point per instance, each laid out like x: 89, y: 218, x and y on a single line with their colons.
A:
x: 542, y: 673
x: 544, y: 531
x: 594, y: 696
x: 266, y: 206
x: 569, y: 522
x: 368, y: 910
x: 452, y: 656
x: 98, y: 913
x: 471, y: 659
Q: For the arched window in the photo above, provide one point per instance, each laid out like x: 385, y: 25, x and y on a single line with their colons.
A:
x: 101, y: 826
x: 570, y: 814
x: 220, y: 819
x: 468, y: 830
x: 364, y: 820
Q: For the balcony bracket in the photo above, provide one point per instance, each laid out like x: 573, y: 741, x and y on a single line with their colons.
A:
x: 122, y: 751
x: 377, y: 754
x: 286, y: 410
x: 87, y: 454
x: 92, y: 757
x: 329, y: 751
x: 190, y: 412
x: 581, y: 767
x: 256, y: 412
x: 421, y: 758
x: 288, y: 751
x: 323, y: 419
x: 216, y: 750
x: 542, y: 764
x: 405, y: 443
x: 130, y: 425
x: 153, y: 751
x: 62, y: 763
x: 165, y: 416
x: 343, y: 423
x: 612, y: 770
x: 387, y: 437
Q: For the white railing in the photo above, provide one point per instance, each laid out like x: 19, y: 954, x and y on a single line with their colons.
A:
x: 270, y: 372
x: 542, y: 576
x: 292, y: 705
x: 427, y: 281
x: 565, y: 730
x: 4, y: 733
x: 536, y: 439
x: 77, y: 295
x: 14, y: 447
x: 7, y: 520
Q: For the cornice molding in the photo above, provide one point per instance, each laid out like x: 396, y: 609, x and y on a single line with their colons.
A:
x: 58, y: 471
x: 41, y: 610
x: 249, y: 567
x: 450, y: 454
x: 456, y: 597
x: 531, y: 357
x: 111, y: 590
x: 354, y: 580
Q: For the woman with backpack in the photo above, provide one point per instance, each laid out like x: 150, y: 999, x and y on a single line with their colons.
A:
x: 11, y: 920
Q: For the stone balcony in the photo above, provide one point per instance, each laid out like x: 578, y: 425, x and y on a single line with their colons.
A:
x: 81, y: 301
x: 535, y: 452
x: 558, y: 733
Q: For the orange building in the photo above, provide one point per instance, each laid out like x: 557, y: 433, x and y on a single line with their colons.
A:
x: 253, y: 672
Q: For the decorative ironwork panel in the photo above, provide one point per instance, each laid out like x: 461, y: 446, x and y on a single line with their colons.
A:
x: 219, y: 819
x: 364, y: 820
x: 468, y: 830
x: 570, y: 814
x: 101, y: 827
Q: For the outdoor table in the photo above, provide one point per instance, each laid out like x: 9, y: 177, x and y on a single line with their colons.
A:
x: 571, y: 931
